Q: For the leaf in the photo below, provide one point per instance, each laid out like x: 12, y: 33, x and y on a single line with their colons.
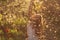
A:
x: 0, y: 17
x: 1, y: 31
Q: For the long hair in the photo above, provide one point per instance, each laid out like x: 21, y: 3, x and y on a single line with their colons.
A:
x: 35, y: 21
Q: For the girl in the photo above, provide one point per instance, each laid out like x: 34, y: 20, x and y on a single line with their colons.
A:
x: 32, y: 24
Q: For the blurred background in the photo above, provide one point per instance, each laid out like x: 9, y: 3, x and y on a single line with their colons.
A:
x: 15, y: 14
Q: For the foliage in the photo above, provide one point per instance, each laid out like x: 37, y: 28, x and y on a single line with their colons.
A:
x: 0, y: 17
x: 20, y: 21
x: 15, y: 14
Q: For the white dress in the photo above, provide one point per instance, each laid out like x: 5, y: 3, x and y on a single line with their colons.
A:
x: 31, y: 32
